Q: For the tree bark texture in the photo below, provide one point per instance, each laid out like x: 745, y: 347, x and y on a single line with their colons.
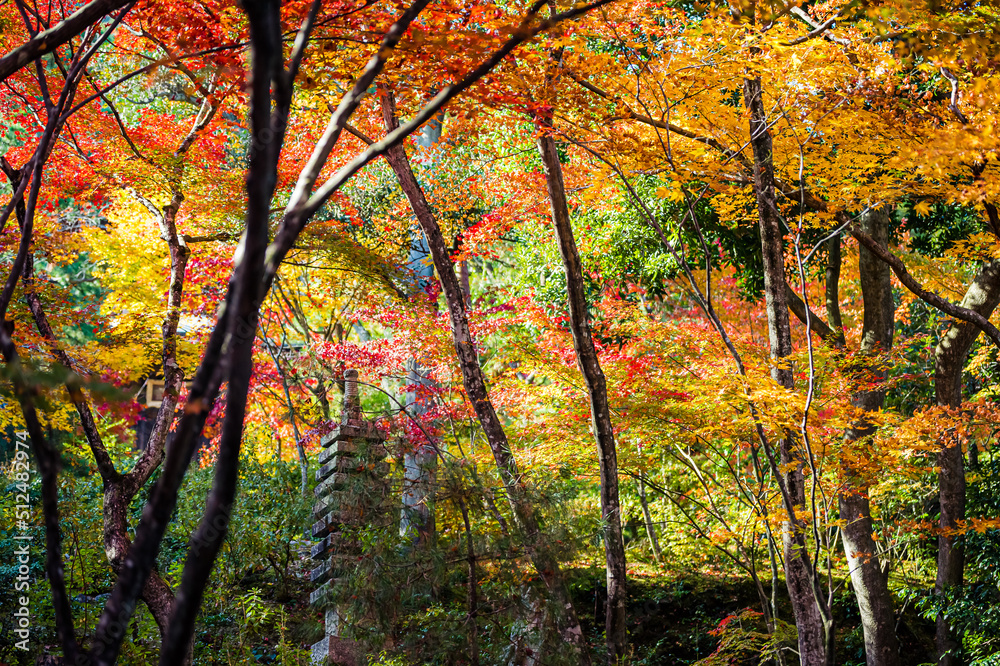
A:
x: 832, y: 287
x: 983, y: 296
x: 815, y: 627
x: 959, y: 312
x: 420, y: 460
x: 120, y: 489
x: 868, y: 574
x: 600, y: 410
x: 568, y: 626
x: 268, y: 74
x: 819, y: 327
x: 417, y: 522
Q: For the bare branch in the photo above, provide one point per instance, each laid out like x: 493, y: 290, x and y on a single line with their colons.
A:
x: 929, y: 297
x: 676, y: 129
x: 819, y: 327
x: 350, y: 102
x: 51, y: 39
x: 358, y: 134
x: 300, y: 209
x: 818, y: 29
x: 953, y: 105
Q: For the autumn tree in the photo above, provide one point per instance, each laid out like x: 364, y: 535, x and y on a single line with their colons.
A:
x: 229, y: 352
x: 678, y: 125
x: 695, y: 232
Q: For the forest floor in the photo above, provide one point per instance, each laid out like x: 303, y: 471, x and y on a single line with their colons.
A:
x: 675, y: 617
x: 674, y: 620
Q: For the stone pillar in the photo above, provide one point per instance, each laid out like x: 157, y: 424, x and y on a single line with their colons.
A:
x: 351, y: 493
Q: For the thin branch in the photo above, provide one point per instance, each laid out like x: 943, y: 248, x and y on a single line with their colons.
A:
x: 818, y: 29
x: 51, y: 39
x: 908, y: 281
x: 676, y: 129
x: 953, y: 105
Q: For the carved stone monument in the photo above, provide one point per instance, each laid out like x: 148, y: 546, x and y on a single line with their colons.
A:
x: 351, y: 494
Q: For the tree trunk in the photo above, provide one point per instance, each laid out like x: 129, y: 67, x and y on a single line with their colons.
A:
x: 156, y: 594
x: 600, y: 411
x: 463, y: 274
x: 419, y: 471
x: 654, y: 543
x: 472, y: 586
x: 247, y: 291
x: 420, y: 459
x: 120, y: 489
x: 983, y: 296
x: 545, y: 563
x: 814, y: 622
x: 275, y: 354
x: 868, y: 574
x: 832, y: 288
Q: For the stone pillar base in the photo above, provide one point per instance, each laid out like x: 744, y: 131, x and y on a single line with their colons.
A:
x: 339, y: 651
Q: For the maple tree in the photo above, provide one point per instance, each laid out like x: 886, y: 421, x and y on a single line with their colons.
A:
x: 681, y: 256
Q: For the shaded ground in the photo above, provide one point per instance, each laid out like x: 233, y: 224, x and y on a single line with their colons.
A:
x: 670, y: 618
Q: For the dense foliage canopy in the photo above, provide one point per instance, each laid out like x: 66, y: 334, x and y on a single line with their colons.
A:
x: 674, y: 320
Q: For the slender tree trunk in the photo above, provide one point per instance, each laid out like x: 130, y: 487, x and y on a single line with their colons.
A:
x: 420, y: 461
x: 464, y: 279
x: 868, y: 574
x: 320, y: 393
x: 541, y: 555
x: 983, y: 296
x: 832, y: 288
x: 812, y: 618
x: 472, y: 586
x: 654, y: 543
x: 246, y: 294
x: 120, y: 489
x: 119, y: 492
x: 419, y: 470
x: 772, y: 566
x: 600, y: 410
x: 303, y: 459
x: 47, y: 458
